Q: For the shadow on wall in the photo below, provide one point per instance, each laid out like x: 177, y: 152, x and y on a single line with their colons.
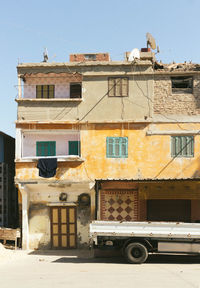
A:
x: 64, y: 167
x: 197, y: 172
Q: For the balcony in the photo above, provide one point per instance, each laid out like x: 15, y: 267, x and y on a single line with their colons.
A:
x: 50, y: 87
x: 63, y: 145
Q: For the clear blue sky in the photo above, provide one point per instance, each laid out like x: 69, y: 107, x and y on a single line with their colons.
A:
x: 113, y: 26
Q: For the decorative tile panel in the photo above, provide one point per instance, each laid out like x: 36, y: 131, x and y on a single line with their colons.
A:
x: 118, y: 205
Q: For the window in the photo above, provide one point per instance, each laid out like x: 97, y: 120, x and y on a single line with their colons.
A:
x: 75, y: 90
x: 46, y: 148
x: 90, y: 57
x: 117, y: 147
x: 118, y: 86
x: 182, y: 146
x: 74, y: 148
x: 182, y: 84
x: 45, y: 91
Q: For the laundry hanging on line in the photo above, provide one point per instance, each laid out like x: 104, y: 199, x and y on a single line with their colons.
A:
x: 47, y: 167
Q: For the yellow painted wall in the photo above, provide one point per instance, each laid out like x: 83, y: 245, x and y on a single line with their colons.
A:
x: 148, y: 156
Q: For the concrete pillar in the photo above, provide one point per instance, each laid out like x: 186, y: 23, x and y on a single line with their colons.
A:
x: 25, y: 206
x: 18, y: 145
x: 19, y: 87
x: 92, y: 191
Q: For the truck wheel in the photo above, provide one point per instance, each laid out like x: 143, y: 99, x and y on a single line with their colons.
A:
x: 136, y: 253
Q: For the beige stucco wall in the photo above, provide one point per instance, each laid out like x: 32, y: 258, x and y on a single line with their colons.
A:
x: 96, y: 105
x: 41, y: 196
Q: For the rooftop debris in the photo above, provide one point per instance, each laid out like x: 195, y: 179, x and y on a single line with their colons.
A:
x: 177, y: 66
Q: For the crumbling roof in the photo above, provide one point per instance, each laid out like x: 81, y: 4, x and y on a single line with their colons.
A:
x: 177, y: 66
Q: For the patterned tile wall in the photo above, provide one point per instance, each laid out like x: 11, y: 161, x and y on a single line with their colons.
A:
x: 117, y: 205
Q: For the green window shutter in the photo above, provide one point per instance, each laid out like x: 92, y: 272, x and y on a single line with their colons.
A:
x: 124, y: 147
x: 109, y: 147
x: 74, y: 148
x: 173, y: 151
x: 117, y: 147
x: 192, y: 146
x: 46, y: 148
x: 182, y: 146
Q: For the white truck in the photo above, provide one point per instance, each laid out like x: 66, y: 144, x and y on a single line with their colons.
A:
x: 138, y: 239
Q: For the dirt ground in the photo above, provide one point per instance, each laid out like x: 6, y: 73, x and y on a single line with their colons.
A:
x: 76, y: 268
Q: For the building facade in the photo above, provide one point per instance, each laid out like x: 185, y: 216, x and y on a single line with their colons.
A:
x: 125, y: 139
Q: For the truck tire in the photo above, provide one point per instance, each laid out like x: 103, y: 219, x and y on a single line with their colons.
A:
x: 136, y: 253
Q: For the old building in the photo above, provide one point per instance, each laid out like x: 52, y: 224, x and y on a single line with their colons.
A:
x: 123, y: 138
x: 8, y: 193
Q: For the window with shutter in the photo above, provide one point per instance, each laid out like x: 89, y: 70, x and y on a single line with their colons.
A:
x: 45, y: 91
x: 118, y: 86
x: 46, y: 148
x: 74, y: 148
x: 182, y: 146
x: 117, y: 147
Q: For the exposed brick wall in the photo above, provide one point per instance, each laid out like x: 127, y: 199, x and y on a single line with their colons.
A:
x: 167, y: 103
x: 81, y: 57
x: 142, y: 210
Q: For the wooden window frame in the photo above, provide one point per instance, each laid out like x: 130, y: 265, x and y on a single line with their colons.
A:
x: 49, y: 149
x: 112, y: 87
x: 42, y: 91
x: 182, y: 146
x: 175, y: 80
x: 117, y: 141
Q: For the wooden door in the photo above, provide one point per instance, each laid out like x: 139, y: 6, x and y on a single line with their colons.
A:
x: 63, y: 227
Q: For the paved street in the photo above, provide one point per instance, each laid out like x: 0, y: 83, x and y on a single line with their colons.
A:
x: 67, y: 270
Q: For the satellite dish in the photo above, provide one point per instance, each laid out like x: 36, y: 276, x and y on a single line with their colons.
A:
x: 135, y: 54
x: 151, y: 41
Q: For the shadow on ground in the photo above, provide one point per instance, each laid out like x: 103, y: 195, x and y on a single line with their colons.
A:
x: 99, y: 256
x: 156, y: 259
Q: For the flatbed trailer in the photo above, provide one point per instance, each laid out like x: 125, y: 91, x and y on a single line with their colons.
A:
x: 138, y: 239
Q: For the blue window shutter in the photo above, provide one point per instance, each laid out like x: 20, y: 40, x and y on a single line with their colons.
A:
x: 124, y: 147
x: 110, y: 147
x: 182, y: 146
x: 74, y: 147
x: 117, y: 147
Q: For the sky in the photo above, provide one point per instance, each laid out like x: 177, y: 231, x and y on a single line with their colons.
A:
x: 89, y: 26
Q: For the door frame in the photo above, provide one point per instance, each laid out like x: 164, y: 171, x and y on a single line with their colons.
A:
x: 59, y: 207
